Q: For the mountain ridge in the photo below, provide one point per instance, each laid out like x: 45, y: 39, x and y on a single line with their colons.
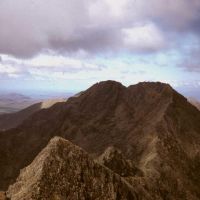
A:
x: 151, y: 123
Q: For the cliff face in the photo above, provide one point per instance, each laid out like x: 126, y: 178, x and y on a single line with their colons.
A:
x: 155, y: 129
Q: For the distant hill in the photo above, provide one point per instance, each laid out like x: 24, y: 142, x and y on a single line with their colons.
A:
x: 12, y: 120
x: 147, y: 135
x: 13, y: 102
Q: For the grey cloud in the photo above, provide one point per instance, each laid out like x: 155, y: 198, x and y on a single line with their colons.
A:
x: 96, y: 26
x: 92, y: 40
x: 27, y: 27
x: 172, y: 15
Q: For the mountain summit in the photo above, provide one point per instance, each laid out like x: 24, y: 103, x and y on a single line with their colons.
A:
x: 155, y: 129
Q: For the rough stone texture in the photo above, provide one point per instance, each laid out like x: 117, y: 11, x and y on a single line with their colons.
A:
x: 150, y: 123
x: 116, y: 161
x: 64, y: 171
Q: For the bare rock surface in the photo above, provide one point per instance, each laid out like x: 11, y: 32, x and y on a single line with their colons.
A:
x: 64, y: 171
x: 114, y: 159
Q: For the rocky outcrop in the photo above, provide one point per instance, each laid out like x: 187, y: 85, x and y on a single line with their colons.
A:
x: 116, y: 161
x: 64, y: 171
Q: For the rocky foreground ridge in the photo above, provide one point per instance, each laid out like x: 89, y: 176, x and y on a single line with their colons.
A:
x: 145, y: 138
x: 65, y: 171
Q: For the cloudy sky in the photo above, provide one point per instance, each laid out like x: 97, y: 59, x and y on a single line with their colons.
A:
x: 67, y: 45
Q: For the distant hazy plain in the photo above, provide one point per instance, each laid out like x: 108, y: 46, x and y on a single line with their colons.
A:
x: 13, y: 102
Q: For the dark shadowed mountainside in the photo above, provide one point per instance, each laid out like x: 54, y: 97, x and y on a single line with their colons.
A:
x: 156, y: 130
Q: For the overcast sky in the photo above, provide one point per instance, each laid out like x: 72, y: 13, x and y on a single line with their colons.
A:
x: 67, y: 45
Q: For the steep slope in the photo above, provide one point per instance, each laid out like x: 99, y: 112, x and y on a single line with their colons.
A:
x: 12, y: 120
x: 150, y: 123
x: 64, y: 171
